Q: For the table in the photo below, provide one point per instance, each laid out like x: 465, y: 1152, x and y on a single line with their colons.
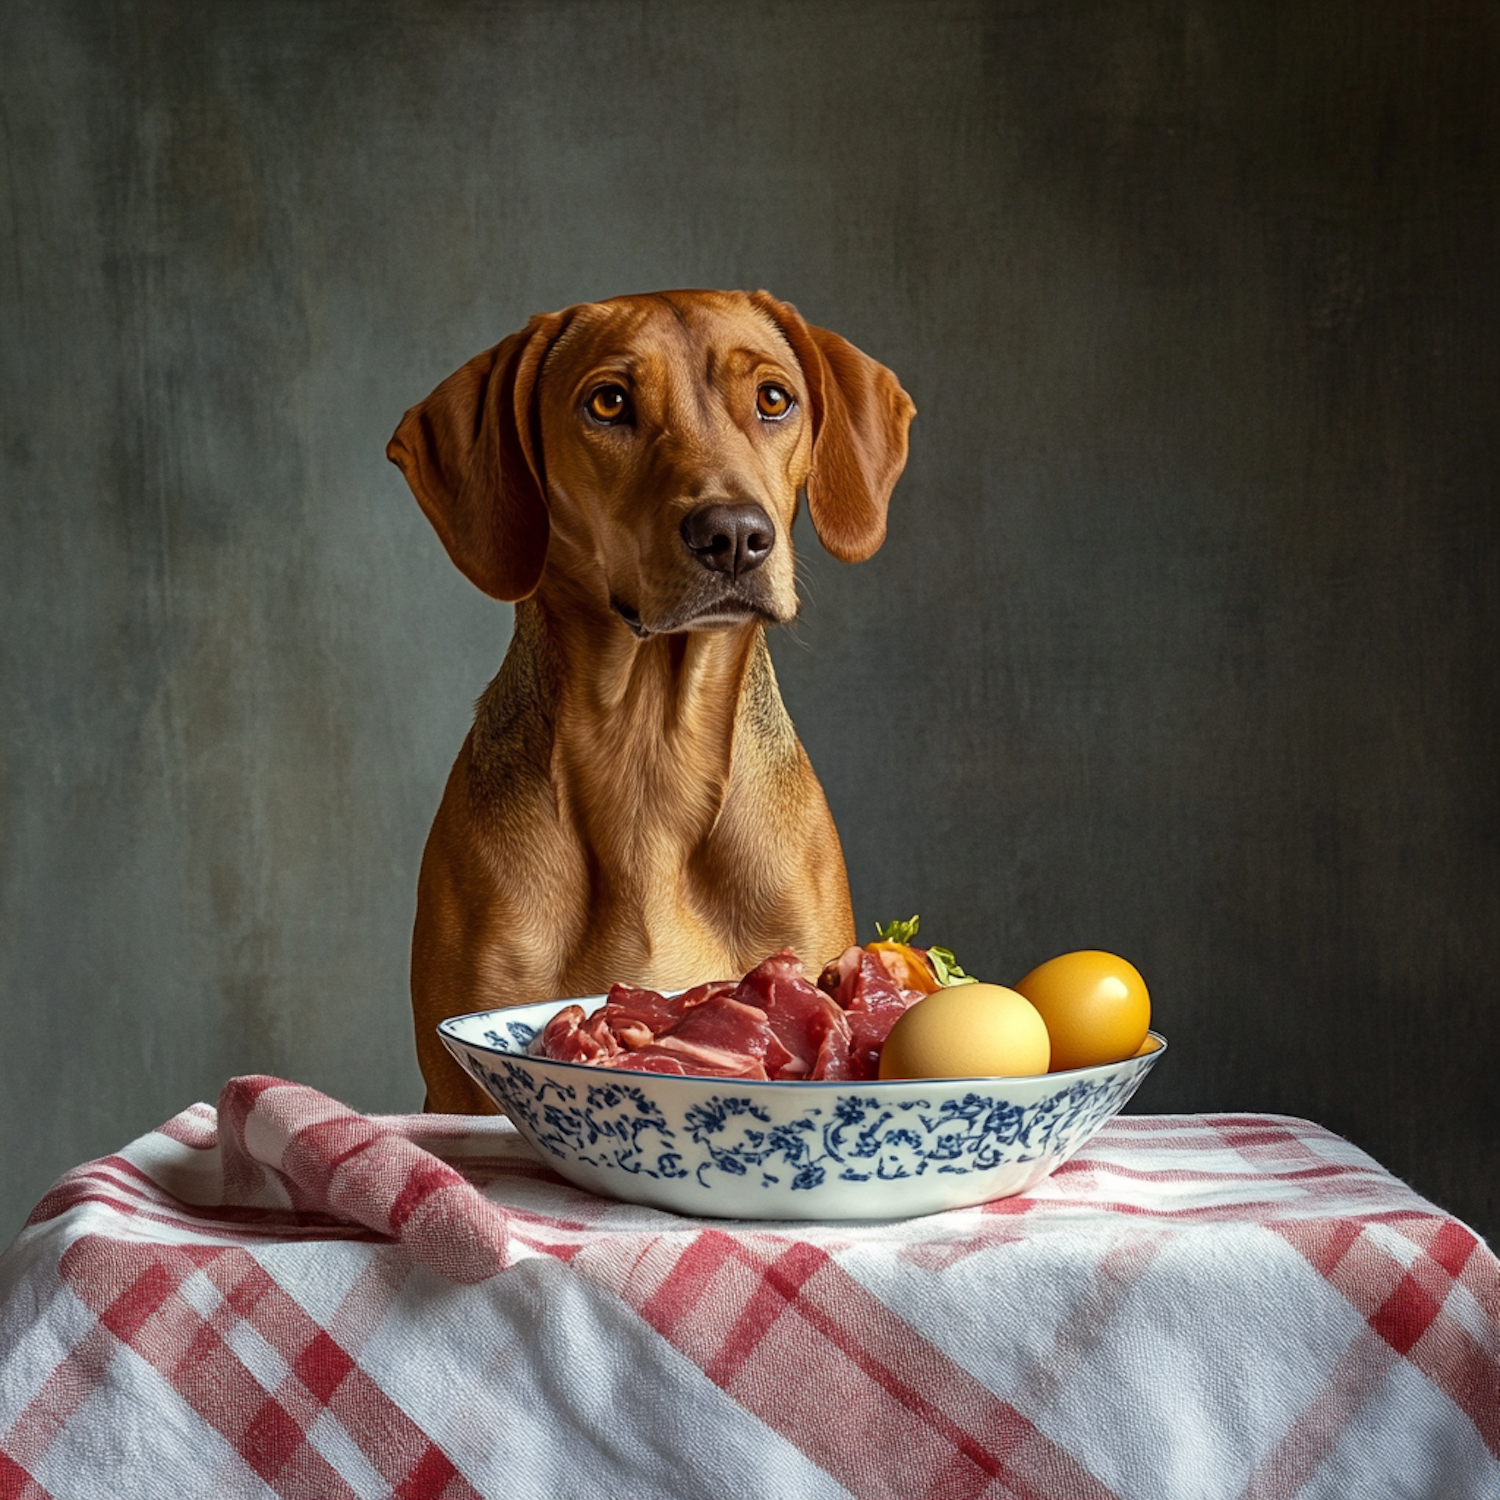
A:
x: 278, y: 1296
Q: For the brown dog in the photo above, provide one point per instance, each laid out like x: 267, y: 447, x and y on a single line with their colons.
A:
x: 632, y: 803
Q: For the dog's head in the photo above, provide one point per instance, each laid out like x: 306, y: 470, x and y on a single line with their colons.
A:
x: 649, y: 452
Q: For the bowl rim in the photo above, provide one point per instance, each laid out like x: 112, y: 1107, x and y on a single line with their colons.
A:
x: 987, y: 1079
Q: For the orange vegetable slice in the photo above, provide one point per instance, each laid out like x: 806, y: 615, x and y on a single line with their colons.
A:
x: 908, y: 966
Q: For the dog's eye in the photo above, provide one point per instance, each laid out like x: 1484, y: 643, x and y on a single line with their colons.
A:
x: 773, y: 401
x: 609, y: 403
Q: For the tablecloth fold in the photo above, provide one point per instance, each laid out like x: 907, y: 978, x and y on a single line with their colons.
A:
x: 308, y: 1162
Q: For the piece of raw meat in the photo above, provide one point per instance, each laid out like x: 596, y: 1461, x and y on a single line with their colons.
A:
x: 772, y: 1024
x: 872, y: 1002
x: 727, y: 1025
x: 808, y: 1024
x: 671, y: 1056
x: 570, y: 1036
x: 636, y: 1017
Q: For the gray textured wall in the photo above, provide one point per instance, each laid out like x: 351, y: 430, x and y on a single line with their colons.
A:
x: 1183, y: 643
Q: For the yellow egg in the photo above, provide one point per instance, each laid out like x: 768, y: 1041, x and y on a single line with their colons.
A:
x: 1096, y: 1007
x: 968, y: 1031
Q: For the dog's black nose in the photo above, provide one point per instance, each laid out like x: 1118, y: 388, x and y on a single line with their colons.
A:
x: 731, y: 539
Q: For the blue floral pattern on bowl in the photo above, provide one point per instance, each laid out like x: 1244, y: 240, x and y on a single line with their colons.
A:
x: 786, y: 1150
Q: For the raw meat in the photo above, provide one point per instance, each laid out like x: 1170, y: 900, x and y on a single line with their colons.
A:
x: 771, y: 1025
x: 872, y: 1002
x: 809, y: 1026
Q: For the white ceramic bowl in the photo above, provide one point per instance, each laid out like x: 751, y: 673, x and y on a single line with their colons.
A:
x: 726, y: 1148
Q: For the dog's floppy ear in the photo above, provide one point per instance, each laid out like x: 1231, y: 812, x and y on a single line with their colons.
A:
x: 860, y: 417
x: 471, y: 457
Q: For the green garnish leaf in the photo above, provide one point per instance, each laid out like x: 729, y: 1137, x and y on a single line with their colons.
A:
x: 945, y: 966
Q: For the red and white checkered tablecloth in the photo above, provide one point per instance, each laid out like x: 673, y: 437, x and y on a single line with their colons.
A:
x: 283, y: 1298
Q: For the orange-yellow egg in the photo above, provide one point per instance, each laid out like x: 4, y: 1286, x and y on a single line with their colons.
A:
x: 967, y: 1031
x: 1096, y: 1007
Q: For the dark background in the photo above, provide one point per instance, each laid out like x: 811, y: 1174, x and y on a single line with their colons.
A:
x: 1183, y: 643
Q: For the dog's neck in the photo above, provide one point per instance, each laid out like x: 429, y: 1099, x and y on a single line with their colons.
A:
x: 642, y: 731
